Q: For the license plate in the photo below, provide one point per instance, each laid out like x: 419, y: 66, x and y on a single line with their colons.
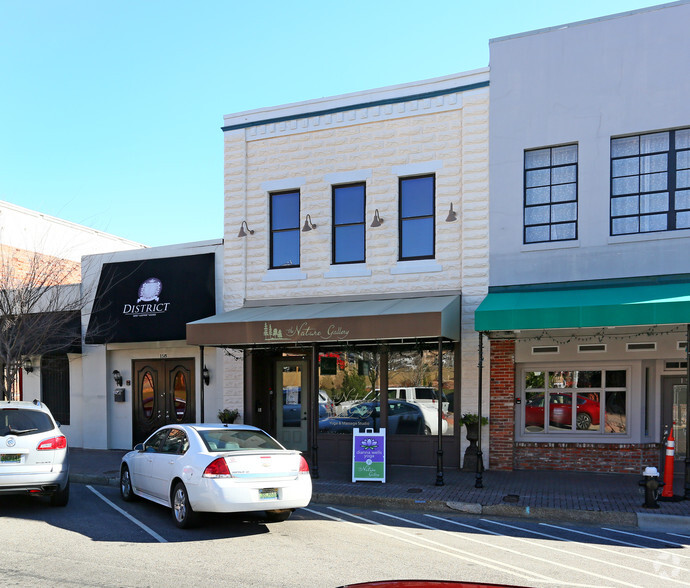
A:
x: 268, y: 493
x: 10, y: 458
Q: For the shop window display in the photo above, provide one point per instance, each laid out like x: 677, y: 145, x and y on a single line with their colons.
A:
x: 352, y: 394
x: 583, y: 402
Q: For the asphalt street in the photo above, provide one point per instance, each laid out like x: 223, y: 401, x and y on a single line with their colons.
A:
x: 99, y: 540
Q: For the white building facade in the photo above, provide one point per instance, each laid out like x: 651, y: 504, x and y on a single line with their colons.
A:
x: 590, y: 216
x: 137, y: 372
x: 356, y: 252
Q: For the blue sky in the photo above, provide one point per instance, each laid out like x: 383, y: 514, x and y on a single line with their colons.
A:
x: 110, y: 110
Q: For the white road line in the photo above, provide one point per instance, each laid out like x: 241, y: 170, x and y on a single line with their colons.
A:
x: 580, y: 555
x: 679, y: 535
x: 470, y: 557
x: 150, y: 531
x: 485, y: 544
x: 617, y: 553
x: 650, y: 539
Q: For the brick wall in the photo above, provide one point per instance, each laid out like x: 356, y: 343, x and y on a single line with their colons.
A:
x: 502, y: 404
x: 19, y: 267
x: 587, y: 457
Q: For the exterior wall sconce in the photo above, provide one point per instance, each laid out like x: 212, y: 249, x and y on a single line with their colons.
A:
x: 452, y: 216
x: 117, y: 376
x: 27, y: 365
x: 242, y: 232
x: 206, y: 375
x: 378, y: 221
x: 308, y: 225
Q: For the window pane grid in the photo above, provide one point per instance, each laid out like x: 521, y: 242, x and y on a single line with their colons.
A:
x: 550, y: 194
x: 285, y: 230
x: 348, y: 236
x: 416, y: 228
x: 575, y: 402
x: 648, y: 177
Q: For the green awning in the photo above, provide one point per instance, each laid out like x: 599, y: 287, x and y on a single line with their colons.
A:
x: 596, y: 306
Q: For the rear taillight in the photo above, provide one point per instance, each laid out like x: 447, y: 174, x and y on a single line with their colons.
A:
x: 53, y: 443
x: 303, y: 465
x: 218, y: 468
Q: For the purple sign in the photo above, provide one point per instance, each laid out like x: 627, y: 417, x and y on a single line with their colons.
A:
x: 369, y: 455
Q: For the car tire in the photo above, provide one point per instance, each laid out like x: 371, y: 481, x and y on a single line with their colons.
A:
x: 278, y: 516
x: 182, y: 512
x: 126, y: 485
x: 427, y: 430
x: 583, y: 421
x: 61, y: 497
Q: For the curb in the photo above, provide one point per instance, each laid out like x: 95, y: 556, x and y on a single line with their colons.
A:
x: 538, y: 514
x: 646, y: 521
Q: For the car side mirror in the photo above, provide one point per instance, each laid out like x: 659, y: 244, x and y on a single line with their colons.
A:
x: 139, y: 447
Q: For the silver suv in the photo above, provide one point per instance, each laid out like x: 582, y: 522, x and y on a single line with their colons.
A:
x: 33, y: 452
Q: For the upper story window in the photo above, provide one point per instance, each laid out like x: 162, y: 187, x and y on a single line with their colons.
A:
x: 650, y: 182
x: 285, y: 229
x: 551, y: 194
x: 417, y: 218
x: 348, y: 223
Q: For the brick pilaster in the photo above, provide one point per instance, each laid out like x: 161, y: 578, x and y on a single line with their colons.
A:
x: 502, y: 405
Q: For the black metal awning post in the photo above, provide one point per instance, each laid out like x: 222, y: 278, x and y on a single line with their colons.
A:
x: 480, y: 460
x: 439, y: 451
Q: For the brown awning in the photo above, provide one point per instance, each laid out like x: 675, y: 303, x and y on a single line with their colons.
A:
x: 428, y: 317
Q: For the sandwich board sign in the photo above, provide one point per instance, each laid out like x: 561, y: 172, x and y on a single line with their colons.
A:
x: 368, y: 455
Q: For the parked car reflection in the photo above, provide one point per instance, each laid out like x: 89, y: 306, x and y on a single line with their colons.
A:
x: 404, y: 418
x: 561, y: 413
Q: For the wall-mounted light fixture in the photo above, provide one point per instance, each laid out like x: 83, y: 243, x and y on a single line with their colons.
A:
x: 117, y: 376
x: 206, y: 375
x: 451, y: 215
x: 378, y: 221
x: 27, y: 365
x: 308, y: 225
x: 242, y: 232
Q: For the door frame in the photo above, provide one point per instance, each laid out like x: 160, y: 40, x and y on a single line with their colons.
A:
x: 164, y: 372
x: 300, y: 435
x: 667, y: 385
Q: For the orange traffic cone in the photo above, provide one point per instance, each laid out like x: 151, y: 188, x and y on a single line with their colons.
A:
x: 667, y: 492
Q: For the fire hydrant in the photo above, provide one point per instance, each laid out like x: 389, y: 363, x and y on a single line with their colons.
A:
x: 651, y: 485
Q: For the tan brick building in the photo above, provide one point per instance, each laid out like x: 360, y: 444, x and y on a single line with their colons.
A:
x: 363, y: 234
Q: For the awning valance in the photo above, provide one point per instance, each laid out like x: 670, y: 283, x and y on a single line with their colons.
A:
x: 427, y: 317
x: 595, y: 306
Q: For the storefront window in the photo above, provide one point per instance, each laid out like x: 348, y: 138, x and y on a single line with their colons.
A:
x: 350, y: 397
x: 581, y: 389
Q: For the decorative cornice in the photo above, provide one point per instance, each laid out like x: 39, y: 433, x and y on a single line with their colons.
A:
x: 385, y: 109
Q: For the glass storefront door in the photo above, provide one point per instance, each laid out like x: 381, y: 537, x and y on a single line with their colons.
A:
x: 292, y: 403
x: 674, y: 409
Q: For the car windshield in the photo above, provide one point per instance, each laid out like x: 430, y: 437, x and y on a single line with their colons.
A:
x: 236, y: 439
x: 19, y: 421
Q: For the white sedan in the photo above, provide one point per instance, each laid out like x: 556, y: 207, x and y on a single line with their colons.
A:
x: 216, y: 468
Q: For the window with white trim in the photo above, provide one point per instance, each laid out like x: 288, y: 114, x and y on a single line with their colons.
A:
x: 600, y: 397
x: 417, y: 218
x: 348, y: 223
x: 285, y: 241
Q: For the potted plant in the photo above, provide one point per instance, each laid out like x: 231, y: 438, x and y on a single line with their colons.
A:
x: 228, y: 416
x: 471, y: 422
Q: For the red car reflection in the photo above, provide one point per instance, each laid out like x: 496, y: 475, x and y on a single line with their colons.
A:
x: 561, y: 413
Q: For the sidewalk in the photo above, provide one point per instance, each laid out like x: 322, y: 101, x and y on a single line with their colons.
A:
x: 612, y: 499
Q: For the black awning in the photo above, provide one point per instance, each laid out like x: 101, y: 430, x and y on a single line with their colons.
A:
x: 152, y: 299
